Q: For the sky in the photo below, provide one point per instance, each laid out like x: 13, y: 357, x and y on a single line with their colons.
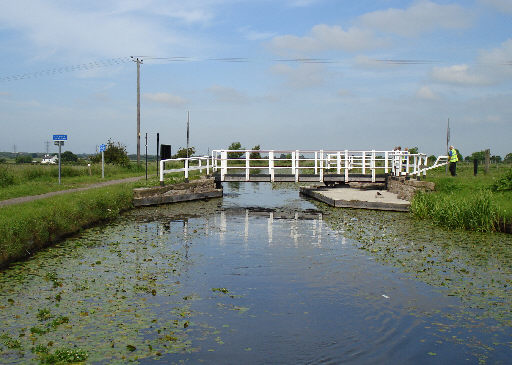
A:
x: 282, y: 74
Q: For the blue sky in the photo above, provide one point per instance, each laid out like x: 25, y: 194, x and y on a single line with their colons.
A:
x: 391, y: 72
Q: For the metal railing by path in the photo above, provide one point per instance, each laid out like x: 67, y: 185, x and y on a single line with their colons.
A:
x: 304, y: 165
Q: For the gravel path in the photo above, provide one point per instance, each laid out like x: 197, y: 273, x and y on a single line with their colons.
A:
x: 24, y: 199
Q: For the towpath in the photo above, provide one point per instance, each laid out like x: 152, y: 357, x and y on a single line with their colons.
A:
x: 24, y: 199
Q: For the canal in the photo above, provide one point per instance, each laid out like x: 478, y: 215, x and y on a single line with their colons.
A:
x: 261, y: 276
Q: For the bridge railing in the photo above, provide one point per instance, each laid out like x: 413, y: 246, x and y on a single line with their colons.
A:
x: 318, y: 162
x: 189, y: 164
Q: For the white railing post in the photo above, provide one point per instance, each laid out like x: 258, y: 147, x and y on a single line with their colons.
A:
x: 207, y: 165
x: 407, y: 163
x: 347, y: 167
x: 293, y: 162
x: 271, y: 165
x: 247, y: 165
x: 364, y: 162
x: 297, y: 165
x: 338, y: 162
x: 415, y: 167
x: 321, y: 178
x: 316, y: 162
x: 162, y: 164
x: 200, y: 167
x: 186, y: 168
x: 386, y: 163
x: 223, y: 164
x: 373, y: 166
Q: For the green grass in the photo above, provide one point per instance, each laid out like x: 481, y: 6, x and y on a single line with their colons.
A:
x: 466, y: 201
x: 24, y: 180
x: 27, y: 227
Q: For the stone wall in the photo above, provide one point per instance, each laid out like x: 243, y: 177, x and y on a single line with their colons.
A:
x: 196, y: 186
x: 405, y: 189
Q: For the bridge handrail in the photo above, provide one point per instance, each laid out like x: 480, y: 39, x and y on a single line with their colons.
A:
x: 396, y: 162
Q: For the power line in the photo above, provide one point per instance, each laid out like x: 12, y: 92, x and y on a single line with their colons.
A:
x: 72, y: 68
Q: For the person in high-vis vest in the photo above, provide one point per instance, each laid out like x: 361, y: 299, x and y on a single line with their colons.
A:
x: 452, y: 158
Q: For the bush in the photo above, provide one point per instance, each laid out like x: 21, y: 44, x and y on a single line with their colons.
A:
x: 182, y: 152
x: 6, y: 177
x: 115, y: 153
x: 503, y: 183
x: 235, y: 146
x: 68, y: 156
x: 23, y: 159
x: 255, y: 155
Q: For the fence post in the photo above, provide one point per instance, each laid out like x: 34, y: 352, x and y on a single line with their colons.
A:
x: 316, y: 162
x: 207, y: 165
x: 372, y: 165
x: 338, y: 162
x: 186, y: 169
x: 297, y: 165
x: 223, y: 164
x: 321, y: 166
x: 293, y: 162
x: 386, y: 163
x: 247, y: 165
x: 363, y: 160
x: 162, y: 172
x: 346, y: 166
x: 271, y: 165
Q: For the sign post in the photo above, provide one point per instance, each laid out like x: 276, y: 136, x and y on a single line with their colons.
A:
x: 58, y: 140
x: 102, y: 150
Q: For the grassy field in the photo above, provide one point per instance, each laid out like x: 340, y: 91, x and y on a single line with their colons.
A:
x: 24, y: 180
x: 466, y: 201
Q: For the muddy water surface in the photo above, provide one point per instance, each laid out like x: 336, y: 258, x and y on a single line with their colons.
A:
x: 261, y: 276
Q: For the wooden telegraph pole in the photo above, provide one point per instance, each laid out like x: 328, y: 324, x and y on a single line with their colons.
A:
x: 138, y: 61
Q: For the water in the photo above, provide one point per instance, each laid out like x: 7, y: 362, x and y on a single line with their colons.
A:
x: 262, y: 276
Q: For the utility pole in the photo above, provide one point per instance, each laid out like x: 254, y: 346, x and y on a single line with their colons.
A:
x: 138, y: 61
x: 447, y: 145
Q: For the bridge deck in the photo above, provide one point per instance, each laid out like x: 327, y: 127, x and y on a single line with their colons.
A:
x: 327, y: 178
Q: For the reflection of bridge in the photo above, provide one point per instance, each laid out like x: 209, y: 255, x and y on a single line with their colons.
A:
x: 329, y: 167
x: 298, y: 224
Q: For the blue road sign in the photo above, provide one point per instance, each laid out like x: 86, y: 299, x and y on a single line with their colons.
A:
x: 60, y: 137
x: 102, y: 148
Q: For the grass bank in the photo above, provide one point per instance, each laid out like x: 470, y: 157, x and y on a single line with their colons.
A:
x: 25, y: 228
x: 467, y: 201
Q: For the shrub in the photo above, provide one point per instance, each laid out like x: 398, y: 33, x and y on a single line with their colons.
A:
x: 235, y: 146
x: 115, y: 153
x: 23, y: 159
x: 6, y: 177
x: 504, y: 182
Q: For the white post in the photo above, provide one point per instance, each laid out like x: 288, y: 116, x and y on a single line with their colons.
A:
x: 208, y: 165
x: 346, y: 166
x: 338, y: 162
x: 386, y: 163
x: 271, y: 165
x: 407, y: 163
x: 186, y: 168
x: 102, y: 164
x: 415, y: 167
x: 200, y: 167
x: 321, y: 179
x: 223, y: 164
x: 364, y: 162
x: 247, y: 166
x: 316, y: 163
x: 297, y: 165
x: 162, y: 172
x: 373, y: 166
x: 293, y: 162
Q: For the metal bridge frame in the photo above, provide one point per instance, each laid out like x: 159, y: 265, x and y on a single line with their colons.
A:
x: 328, y: 166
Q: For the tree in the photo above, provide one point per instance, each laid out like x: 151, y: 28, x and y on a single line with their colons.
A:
x: 479, y: 156
x: 115, y: 153
x: 495, y: 159
x: 431, y: 159
x: 235, y: 146
x: 23, y: 159
x: 413, y: 150
x: 508, y: 158
x: 255, y: 155
x: 182, y: 152
x: 68, y: 156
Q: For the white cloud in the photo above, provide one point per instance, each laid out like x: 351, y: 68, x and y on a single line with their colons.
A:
x: 166, y: 99
x: 324, y: 38
x: 498, y: 58
x: 502, y: 5
x: 422, y: 17
x: 103, y: 29
x: 344, y: 93
x: 226, y: 94
x: 459, y: 75
x: 303, y: 76
x: 426, y: 93
x: 253, y: 35
x: 4, y: 93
